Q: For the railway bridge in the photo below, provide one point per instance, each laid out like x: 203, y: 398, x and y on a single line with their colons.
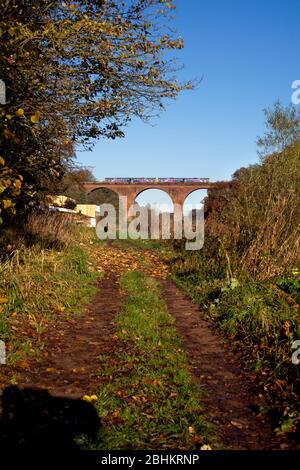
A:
x: 178, y: 190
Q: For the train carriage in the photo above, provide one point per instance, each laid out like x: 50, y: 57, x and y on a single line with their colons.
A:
x: 132, y: 180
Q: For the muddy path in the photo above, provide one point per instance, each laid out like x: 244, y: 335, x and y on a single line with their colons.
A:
x: 70, y: 364
x: 229, y: 400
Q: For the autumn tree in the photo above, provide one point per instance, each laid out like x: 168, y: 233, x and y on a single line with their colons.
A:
x: 72, y: 186
x: 255, y: 221
x: 72, y: 183
x: 282, y: 129
x: 32, y: 147
x: 76, y: 71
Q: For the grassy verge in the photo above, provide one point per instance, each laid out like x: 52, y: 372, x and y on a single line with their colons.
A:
x: 261, y: 319
x: 36, y: 285
x: 148, y: 400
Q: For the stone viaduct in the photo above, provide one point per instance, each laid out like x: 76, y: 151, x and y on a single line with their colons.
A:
x: 178, y: 192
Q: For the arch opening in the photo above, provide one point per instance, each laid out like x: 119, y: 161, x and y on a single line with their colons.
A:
x: 194, y: 200
x: 155, y: 199
x: 101, y: 196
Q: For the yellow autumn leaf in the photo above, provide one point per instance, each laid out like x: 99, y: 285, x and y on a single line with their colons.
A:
x: 17, y: 184
x: 7, y: 203
x: 3, y: 300
x: 51, y: 370
x: 86, y: 398
x: 2, y: 161
x: 205, y: 447
x: 89, y: 398
x: 35, y: 117
x: 20, y: 112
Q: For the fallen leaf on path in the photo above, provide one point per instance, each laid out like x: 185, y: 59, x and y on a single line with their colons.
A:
x: 51, y: 370
x: 205, y: 447
x: 90, y: 398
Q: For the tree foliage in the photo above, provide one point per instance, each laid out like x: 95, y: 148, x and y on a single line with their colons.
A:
x: 76, y: 71
x: 72, y: 186
x: 283, y: 129
x: 255, y: 221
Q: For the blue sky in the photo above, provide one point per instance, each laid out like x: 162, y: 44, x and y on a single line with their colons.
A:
x: 247, y: 52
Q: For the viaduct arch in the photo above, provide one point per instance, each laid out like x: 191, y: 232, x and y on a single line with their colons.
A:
x: 178, y: 192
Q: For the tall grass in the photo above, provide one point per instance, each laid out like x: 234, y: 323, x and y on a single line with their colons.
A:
x: 244, y: 277
x: 41, y: 229
x: 52, y: 277
x: 257, y: 223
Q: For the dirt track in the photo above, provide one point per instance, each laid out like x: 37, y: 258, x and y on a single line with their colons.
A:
x: 70, y: 364
x: 230, y: 401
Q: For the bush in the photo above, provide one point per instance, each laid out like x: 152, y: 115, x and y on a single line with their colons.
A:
x: 256, y: 223
x: 70, y: 204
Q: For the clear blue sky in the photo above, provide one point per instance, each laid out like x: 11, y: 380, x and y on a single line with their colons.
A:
x: 247, y: 52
